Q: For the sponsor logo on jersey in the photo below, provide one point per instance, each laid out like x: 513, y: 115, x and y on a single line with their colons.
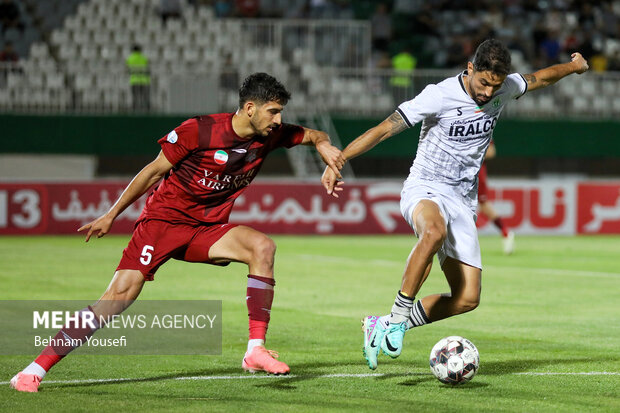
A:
x: 473, y: 128
x: 220, y: 157
x: 241, y: 150
x: 218, y: 181
x: 172, y: 137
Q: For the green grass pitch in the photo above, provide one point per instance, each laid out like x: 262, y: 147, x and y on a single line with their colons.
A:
x: 547, y: 328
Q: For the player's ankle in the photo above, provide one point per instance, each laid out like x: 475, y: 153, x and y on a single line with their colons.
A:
x: 255, y: 342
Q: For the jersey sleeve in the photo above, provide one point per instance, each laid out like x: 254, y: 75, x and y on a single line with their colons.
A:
x: 427, y: 103
x: 288, y: 135
x: 177, y: 144
x: 517, y: 84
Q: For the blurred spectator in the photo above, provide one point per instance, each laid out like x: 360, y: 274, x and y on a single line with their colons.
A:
x: 408, y: 6
x: 318, y: 9
x: 609, y: 20
x: 381, y: 26
x: 247, y: 8
x: 571, y: 42
x: 10, y: 16
x: 343, y: 9
x: 229, y: 76
x: 494, y: 17
x: 380, y: 60
x: 223, y: 8
x: 139, y: 79
x: 424, y: 22
x: 586, y: 48
x: 550, y: 49
x: 587, y: 20
x: 457, y: 55
x: 169, y: 9
x: 599, y: 62
x: 614, y: 62
x: 8, y: 54
x: 404, y: 64
x: 554, y: 21
x: 539, y: 34
x: 8, y: 60
x: 298, y: 10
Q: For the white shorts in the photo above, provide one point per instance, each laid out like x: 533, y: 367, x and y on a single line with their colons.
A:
x: 461, y: 241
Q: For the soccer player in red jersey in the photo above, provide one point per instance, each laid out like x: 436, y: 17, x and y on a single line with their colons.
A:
x: 484, y: 206
x: 205, y: 164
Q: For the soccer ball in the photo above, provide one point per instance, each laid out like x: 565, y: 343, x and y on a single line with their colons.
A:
x: 454, y: 360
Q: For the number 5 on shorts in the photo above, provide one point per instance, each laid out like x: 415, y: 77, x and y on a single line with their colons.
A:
x: 146, y: 256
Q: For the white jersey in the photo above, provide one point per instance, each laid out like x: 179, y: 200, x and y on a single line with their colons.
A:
x: 455, y: 132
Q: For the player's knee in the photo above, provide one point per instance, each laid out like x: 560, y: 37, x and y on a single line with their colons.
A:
x: 466, y: 304
x: 434, y: 236
x: 124, y: 286
x: 264, y: 249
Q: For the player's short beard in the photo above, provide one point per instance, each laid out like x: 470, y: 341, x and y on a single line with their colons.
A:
x: 475, y: 97
x: 257, y: 131
x: 479, y: 102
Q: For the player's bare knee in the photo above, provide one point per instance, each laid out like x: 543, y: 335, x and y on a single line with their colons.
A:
x: 117, y: 292
x: 467, y: 304
x: 433, y: 237
x: 124, y: 287
x: 264, y: 250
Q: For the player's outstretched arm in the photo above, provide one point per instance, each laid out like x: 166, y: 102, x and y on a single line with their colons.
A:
x: 391, y: 126
x: 550, y: 75
x: 147, y: 177
x: 331, y: 155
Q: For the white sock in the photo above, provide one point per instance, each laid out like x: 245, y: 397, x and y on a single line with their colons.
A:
x: 418, y: 316
x: 385, y: 320
x: 401, y: 308
x: 255, y: 342
x: 34, y: 368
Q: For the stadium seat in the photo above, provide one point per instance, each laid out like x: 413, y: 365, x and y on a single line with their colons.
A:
x: 83, y: 81
x: 60, y: 37
x: 546, y: 103
x: 586, y: 86
x: 54, y: 80
x: 601, y: 105
x: 581, y: 104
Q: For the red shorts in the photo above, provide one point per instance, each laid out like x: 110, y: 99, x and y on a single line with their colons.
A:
x: 154, y: 242
x: 483, y: 189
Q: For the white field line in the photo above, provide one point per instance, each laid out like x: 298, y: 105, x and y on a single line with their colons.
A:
x: 308, y: 376
x: 546, y: 271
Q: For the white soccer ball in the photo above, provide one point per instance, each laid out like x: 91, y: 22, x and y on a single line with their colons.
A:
x: 454, y: 360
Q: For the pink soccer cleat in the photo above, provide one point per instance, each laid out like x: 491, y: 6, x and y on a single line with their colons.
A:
x: 261, y: 359
x: 26, y: 382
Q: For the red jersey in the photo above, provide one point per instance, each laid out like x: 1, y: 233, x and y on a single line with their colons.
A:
x: 212, y: 167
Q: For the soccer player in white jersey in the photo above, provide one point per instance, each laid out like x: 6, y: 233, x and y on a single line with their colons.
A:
x: 439, y: 197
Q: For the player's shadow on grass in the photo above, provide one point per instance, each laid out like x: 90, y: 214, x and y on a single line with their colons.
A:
x: 430, y: 378
x: 300, y: 372
x: 312, y: 370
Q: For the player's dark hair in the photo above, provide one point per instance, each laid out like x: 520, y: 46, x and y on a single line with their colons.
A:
x: 262, y: 88
x: 493, y: 56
